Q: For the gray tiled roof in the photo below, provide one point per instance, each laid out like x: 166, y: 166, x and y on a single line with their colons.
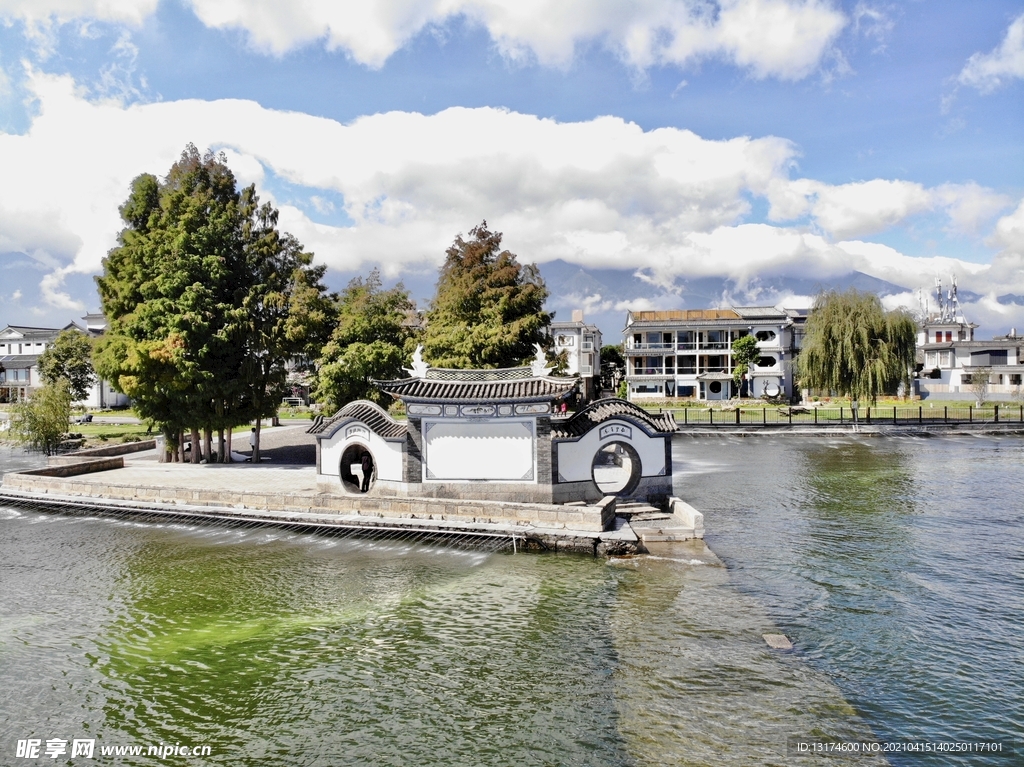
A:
x: 606, y: 409
x: 757, y: 312
x: 539, y: 389
x: 19, y: 360
x: 372, y: 415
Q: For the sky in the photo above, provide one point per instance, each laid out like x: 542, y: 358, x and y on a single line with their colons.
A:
x: 746, y: 140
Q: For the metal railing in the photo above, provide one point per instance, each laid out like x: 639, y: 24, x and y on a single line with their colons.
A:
x: 820, y: 416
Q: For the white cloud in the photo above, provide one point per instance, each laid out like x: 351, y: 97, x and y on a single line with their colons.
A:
x: 602, y: 193
x: 1009, y: 231
x: 16, y: 295
x: 867, y: 207
x: 988, y: 71
x: 129, y: 11
x: 770, y: 38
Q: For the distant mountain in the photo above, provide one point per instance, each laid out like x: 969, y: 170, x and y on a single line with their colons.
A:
x: 606, y: 294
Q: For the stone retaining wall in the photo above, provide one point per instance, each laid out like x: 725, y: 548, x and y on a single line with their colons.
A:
x: 124, y: 448
x: 577, y: 518
x: 66, y: 466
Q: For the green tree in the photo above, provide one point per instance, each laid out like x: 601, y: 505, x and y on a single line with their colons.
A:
x: 371, y: 340
x: 488, y: 310
x: 852, y: 346
x: 199, y: 294
x: 613, y: 365
x: 69, y: 357
x: 42, y: 420
x: 744, y: 354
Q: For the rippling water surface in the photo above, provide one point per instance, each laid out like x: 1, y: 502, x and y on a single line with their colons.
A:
x: 894, y: 567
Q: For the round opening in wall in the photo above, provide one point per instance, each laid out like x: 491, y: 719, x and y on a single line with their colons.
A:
x: 715, y: 387
x: 358, y: 469
x: 616, y: 469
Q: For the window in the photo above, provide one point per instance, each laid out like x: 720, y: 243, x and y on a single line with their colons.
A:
x: 715, y: 387
x: 765, y: 335
x: 766, y: 362
x: 949, y: 335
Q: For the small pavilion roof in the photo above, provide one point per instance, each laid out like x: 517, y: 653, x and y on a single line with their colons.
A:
x: 372, y: 415
x: 502, y: 385
x: 606, y: 409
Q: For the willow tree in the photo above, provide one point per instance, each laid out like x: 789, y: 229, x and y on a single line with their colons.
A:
x: 488, y: 309
x: 853, y: 346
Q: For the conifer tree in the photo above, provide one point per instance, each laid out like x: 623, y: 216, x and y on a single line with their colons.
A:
x: 198, y: 295
x: 488, y: 309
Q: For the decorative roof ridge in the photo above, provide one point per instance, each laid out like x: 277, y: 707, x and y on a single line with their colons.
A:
x: 376, y: 417
x: 613, y: 407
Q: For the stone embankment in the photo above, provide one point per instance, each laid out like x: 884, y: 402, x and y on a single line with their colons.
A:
x: 288, y: 496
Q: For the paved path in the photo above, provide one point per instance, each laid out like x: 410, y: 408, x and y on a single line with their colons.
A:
x: 288, y: 466
x: 237, y: 477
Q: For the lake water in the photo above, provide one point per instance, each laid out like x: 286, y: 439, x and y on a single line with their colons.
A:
x: 894, y: 565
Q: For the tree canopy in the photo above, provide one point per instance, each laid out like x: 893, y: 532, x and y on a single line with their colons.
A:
x: 199, y: 295
x: 744, y: 353
x: 852, y: 346
x: 369, y: 341
x: 42, y: 420
x: 69, y: 357
x: 488, y: 309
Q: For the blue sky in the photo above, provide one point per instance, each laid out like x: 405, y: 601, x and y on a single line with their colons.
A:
x: 741, y: 139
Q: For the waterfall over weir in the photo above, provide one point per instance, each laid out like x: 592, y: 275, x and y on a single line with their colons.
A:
x: 402, y: 534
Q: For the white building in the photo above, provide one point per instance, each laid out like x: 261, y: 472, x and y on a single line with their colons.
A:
x: 688, y: 352
x: 582, y: 345
x: 953, y: 360
x: 20, y: 349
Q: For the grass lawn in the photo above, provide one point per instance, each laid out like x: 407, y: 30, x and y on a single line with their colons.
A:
x: 101, y: 433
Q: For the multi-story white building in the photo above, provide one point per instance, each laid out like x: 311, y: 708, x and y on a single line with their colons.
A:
x: 582, y: 344
x: 952, y: 360
x: 20, y: 349
x: 688, y: 352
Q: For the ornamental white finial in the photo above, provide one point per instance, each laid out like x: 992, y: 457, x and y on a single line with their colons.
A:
x: 539, y: 365
x: 419, y: 367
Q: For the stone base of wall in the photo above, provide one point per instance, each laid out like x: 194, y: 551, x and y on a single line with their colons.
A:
x: 484, y: 491
x: 585, y: 519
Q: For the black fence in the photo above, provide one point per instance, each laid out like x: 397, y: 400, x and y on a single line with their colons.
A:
x: 842, y: 416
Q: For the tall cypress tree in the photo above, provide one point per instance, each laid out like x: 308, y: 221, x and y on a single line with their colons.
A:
x: 488, y: 309
x: 198, y: 296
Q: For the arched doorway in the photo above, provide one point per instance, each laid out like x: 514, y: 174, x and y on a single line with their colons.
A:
x: 616, y: 469
x: 357, y: 474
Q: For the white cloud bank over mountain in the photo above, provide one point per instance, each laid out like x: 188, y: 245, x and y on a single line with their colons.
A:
x: 598, y: 193
x: 769, y: 38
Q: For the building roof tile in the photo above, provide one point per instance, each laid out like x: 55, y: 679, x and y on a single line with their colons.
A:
x: 606, y: 409
x: 372, y: 415
x: 470, y: 388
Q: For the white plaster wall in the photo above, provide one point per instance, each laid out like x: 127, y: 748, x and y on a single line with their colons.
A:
x: 575, y: 459
x: 386, y: 455
x: 496, y: 450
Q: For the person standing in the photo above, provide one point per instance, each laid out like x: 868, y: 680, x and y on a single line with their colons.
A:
x: 367, y: 466
x: 252, y: 442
